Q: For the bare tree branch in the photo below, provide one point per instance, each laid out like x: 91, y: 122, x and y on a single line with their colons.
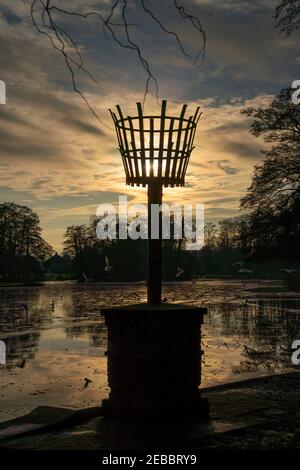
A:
x: 287, y: 16
x: 197, y: 25
x: 46, y: 18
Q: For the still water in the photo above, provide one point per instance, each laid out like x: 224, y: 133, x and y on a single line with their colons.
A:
x: 56, y: 339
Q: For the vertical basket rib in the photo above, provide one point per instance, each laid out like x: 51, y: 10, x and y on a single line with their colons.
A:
x: 169, y: 151
x: 161, y: 138
x: 142, y: 139
x: 178, y: 140
x: 134, y: 152
x: 184, y: 148
x: 126, y: 146
x: 151, y: 148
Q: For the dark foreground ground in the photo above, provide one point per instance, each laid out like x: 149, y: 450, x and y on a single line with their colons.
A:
x: 262, y: 413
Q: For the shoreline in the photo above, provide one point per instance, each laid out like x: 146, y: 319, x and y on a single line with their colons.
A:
x: 260, y: 413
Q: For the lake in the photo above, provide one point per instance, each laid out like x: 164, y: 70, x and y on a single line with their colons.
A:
x: 56, y: 338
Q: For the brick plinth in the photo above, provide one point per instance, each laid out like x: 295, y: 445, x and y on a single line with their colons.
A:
x: 154, y: 361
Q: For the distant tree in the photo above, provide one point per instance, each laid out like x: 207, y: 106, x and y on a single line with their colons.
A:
x: 75, y: 240
x: 229, y: 233
x: 210, y: 235
x: 81, y: 244
x: 21, y: 244
x: 123, y: 260
x: 226, y: 247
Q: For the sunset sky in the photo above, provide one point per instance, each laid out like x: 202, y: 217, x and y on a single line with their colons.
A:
x: 56, y: 158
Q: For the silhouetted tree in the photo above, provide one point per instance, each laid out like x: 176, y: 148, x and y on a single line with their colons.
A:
x: 210, y: 235
x: 21, y: 244
x: 229, y: 233
x: 123, y: 260
x: 273, y: 199
x: 276, y: 180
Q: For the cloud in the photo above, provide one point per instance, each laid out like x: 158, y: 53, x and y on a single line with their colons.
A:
x: 221, y: 201
x: 229, y: 127
x: 241, y: 6
x: 244, y: 150
x: 225, y: 166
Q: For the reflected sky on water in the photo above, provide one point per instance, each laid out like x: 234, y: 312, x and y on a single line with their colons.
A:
x: 56, y: 338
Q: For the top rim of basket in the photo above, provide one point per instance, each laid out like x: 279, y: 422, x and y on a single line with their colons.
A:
x: 140, y: 116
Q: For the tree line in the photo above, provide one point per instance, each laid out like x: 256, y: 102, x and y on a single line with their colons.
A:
x: 231, y: 249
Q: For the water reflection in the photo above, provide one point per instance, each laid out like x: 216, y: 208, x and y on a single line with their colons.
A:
x: 22, y: 316
x: 255, y: 338
x: 56, y: 338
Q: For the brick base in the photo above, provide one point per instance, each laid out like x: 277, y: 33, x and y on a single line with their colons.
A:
x: 154, y: 361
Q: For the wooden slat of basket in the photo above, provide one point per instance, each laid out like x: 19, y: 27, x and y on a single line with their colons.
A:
x: 196, y: 117
x: 135, y: 155
x: 121, y: 124
x: 121, y: 145
x: 194, y: 123
x: 161, y: 137
x: 142, y: 139
x: 169, y: 152
x: 190, y: 148
x: 151, y: 150
x: 184, y: 154
x: 178, y: 140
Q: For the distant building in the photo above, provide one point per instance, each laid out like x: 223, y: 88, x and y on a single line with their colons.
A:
x: 58, y: 264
